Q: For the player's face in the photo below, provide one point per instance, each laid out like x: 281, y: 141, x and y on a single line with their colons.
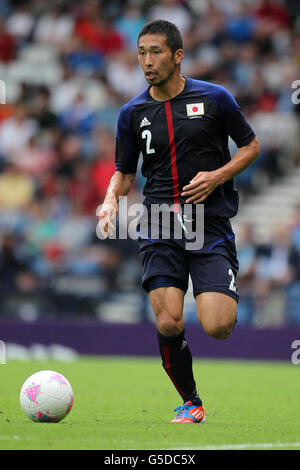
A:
x: 156, y: 59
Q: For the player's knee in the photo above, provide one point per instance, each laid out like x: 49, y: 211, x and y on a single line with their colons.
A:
x: 219, y: 331
x: 168, y: 325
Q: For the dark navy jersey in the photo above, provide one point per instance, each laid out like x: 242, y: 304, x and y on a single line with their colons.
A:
x: 180, y: 137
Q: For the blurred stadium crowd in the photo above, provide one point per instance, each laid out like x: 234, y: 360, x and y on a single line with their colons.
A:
x: 68, y: 68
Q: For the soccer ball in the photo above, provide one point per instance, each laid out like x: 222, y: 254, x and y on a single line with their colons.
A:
x: 46, y: 397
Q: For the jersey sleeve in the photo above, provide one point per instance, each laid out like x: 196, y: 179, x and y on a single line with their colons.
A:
x: 127, y: 151
x: 233, y: 120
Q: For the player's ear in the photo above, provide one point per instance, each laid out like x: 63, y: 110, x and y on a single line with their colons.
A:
x: 178, y: 56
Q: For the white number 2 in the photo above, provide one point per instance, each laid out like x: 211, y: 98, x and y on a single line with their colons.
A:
x: 232, y: 285
x: 148, y: 136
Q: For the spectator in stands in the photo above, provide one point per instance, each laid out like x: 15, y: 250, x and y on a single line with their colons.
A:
x: 11, y: 262
x: 103, y: 166
x: 86, y: 21
x: 82, y: 188
x: 133, y: 81
x: 293, y: 288
x: 273, y: 259
x: 17, y: 188
x: 98, y: 33
x: 64, y: 93
x: 246, y: 248
x: 245, y: 68
x: 83, y: 60
x: 16, y: 131
x: 69, y: 153
x: 295, y: 228
x: 20, y: 23
x: 55, y: 25
x: 7, y: 44
x: 130, y: 24
x: 241, y: 26
x: 173, y: 11
x: 34, y: 159
x: 273, y: 273
x: 78, y: 118
x: 40, y: 109
x: 76, y: 231
x: 273, y: 13
x: 41, y: 235
x: 107, y: 115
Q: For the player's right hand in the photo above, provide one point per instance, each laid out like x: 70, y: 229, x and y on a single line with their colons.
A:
x: 107, y: 213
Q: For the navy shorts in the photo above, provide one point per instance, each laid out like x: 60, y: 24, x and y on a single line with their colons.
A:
x: 213, y: 268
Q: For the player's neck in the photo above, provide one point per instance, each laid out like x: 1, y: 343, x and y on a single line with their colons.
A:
x: 169, y: 89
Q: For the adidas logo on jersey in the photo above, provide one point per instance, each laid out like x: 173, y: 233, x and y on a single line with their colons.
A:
x: 145, y: 122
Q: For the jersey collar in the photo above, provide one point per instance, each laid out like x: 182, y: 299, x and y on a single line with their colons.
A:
x: 185, y: 88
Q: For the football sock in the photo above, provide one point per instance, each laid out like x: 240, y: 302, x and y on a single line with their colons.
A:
x: 177, y: 362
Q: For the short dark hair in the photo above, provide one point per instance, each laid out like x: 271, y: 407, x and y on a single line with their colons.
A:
x: 164, y: 28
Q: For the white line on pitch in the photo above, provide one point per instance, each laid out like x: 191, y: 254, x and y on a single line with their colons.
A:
x: 249, y: 445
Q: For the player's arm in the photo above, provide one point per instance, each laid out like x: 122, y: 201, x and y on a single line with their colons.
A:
x: 119, y: 185
x: 126, y: 159
x: 205, y: 182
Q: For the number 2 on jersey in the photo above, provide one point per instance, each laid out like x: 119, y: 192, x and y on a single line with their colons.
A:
x: 148, y: 136
x: 232, y: 285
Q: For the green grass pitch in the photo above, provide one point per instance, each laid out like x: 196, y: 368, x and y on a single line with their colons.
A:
x: 127, y: 403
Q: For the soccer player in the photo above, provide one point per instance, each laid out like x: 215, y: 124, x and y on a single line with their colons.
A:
x: 181, y: 126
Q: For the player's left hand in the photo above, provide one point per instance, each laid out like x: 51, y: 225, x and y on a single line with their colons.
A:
x: 201, y: 186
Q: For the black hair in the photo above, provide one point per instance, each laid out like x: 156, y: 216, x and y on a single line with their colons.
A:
x: 164, y: 28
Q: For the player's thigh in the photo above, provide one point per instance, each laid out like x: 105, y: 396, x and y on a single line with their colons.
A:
x: 165, y: 278
x: 217, y: 313
x: 213, y: 277
x: 167, y: 304
x: 163, y: 258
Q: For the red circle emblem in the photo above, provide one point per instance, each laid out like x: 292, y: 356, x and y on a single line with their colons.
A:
x: 195, y: 109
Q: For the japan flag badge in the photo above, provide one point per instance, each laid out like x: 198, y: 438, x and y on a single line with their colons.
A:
x: 195, y: 109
